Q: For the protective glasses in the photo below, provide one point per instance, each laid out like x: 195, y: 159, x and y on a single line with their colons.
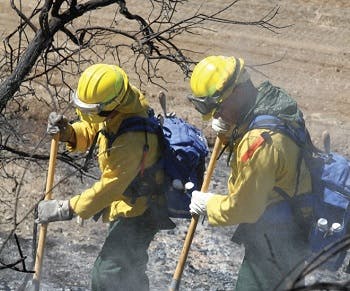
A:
x: 92, y: 108
x: 205, y: 105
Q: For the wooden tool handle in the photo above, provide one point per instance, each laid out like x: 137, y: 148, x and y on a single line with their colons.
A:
x: 43, y: 227
x: 175, y: 283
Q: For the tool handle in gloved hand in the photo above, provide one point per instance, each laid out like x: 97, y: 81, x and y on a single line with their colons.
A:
x: 43, y: 227
x: 175, y: 283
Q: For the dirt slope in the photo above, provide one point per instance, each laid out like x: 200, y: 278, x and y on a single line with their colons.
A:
x: 314, y: 67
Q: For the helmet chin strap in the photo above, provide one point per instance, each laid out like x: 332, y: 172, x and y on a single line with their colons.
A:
x: 112, y: 113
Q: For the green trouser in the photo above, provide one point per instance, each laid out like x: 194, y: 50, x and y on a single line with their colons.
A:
x: 122, y: 262
x: 271, y: 253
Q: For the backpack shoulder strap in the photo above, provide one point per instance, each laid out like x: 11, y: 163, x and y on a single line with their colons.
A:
x: 299, y: 136
x: 145, y: 124
x: 149, y: 124
x: 298, y: 133
x: 136, y: 123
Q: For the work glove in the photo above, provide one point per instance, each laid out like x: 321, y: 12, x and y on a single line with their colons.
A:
x: 58, y: 123
x: 199, y: 202
x: 53, y: 210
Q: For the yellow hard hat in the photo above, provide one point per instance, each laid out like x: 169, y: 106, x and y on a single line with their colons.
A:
x: 101, y: 88
x: 210, y: 78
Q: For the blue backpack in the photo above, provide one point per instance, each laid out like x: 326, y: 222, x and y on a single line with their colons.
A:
x: 329, y: 201
x: 184, y: 151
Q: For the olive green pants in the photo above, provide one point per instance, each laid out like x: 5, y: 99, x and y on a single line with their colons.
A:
x: 122, y: 262
x: 271, y: 254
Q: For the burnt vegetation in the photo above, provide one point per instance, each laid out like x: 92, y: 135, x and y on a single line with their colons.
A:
x: 41, y: 58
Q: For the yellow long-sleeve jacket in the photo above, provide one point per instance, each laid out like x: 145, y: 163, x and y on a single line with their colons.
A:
x: 261, y: 161
x: 119, y: 164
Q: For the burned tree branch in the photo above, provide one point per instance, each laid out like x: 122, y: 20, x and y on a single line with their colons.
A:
x: 23, y: 17
x: 70, y: 161
x: 57, y: 38
x: 153, y: 41
x: 41, y: 41
x: 19, y: 261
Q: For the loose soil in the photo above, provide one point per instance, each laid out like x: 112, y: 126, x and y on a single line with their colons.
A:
x: 310, y: 60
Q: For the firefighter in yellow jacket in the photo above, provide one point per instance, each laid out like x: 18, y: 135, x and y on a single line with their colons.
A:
x: 103, y: 99
x: 262, y: 160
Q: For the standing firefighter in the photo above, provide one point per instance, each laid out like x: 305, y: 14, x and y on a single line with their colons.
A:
x: 133, y: 205
x: 262, y: 161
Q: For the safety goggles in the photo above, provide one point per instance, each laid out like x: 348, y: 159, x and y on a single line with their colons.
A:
x: 205, y: 105
x: 91, y: 108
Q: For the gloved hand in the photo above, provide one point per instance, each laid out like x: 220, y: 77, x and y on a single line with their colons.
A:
x: 58, y: 123
x: 199, y: 202
x: 53, y: 210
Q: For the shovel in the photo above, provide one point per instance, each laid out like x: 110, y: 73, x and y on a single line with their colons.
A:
x: 35, y: 284
x: 175, y: 283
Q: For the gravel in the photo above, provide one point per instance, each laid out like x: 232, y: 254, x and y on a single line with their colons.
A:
x: 212, y: 264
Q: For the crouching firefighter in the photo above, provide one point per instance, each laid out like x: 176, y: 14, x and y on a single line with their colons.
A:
x: 129, y: 193
x: 263, y: 162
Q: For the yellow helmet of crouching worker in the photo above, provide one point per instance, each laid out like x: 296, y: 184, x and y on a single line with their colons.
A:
x: 210, y: 80
x: 101, y: 88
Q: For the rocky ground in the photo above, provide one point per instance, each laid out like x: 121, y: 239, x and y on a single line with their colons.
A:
x: 314, y: 68
x: 213, y: 261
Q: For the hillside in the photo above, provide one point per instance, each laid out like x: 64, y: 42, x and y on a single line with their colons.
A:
x: 310, y: 59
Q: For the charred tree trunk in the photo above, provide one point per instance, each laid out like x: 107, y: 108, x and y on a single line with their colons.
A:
x: 42, y: 41
x: 11, y: 85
